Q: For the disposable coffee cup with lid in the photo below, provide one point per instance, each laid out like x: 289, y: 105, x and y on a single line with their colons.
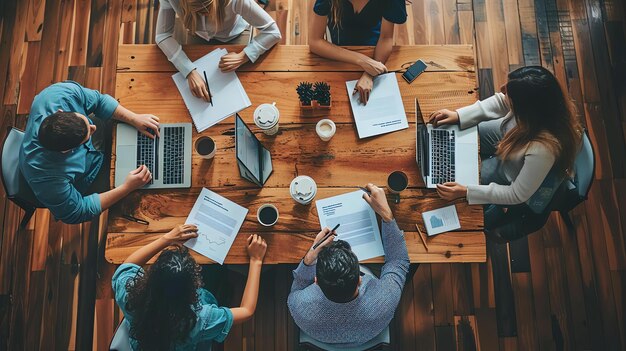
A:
x: 303, y: 189
x: 266, y: 117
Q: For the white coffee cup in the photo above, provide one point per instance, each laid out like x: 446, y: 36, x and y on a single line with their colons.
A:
x: 258, y: 215
x: 303, y: 189
x: 325, y: 129
x: 266, y: 117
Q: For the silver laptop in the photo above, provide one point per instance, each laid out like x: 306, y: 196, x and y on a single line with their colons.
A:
x: 446, y: 154
x: 167, y: 157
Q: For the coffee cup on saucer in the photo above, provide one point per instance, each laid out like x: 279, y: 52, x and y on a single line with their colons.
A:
x: 205, y: 147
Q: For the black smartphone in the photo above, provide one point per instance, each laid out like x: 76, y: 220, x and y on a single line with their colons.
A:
x: 414, y: 71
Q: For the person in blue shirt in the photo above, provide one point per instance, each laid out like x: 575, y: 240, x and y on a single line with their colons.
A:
x: 58, y: 158
x: 166, y: 306
x: 357, y: 22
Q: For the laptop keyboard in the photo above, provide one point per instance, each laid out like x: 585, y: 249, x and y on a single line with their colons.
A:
x: 145, y: 152
x: 442, y: 156
x: 173, y: 155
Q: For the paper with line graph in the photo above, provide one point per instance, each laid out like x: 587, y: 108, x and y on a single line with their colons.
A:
x: 359, y: 226
x: 218, y: 220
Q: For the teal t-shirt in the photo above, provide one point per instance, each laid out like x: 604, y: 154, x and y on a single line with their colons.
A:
x: 212, y: 322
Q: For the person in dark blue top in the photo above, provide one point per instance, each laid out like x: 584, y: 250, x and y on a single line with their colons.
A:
x: 357, y: 22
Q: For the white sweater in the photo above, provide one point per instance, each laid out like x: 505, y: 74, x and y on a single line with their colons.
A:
x: 526, y: 169
x: 238, y: 14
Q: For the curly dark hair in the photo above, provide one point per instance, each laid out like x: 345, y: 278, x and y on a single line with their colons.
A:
x: 337, y: 271
x: 164, y: 301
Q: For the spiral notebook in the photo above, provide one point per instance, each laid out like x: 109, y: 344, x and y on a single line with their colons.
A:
x: 229, y: 96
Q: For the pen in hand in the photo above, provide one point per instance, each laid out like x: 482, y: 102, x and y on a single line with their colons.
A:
x: 326, y: 237
x: 206, y: 81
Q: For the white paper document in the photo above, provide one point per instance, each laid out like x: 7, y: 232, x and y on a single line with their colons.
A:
x: 441, y: 220
x: 384, y: 112
x: 218, y: 220
x: 229, y: 97
x: 359, y: 226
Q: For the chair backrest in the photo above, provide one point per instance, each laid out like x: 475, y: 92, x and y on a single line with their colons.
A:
x: 121, y: 338
x: 584, y: 166
x: 10, y: 157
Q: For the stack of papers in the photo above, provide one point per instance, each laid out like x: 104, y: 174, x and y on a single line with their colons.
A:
x: 218, y: 220
x: 229, y: 97
x: 441, y: 220
x: 358, y: 223
x: 384, y: 112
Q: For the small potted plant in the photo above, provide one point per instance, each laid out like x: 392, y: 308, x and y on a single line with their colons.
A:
x: 321, y: 95
x: 305, y: 95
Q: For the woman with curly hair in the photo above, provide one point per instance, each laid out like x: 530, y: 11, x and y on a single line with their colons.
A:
x: 166, y: 306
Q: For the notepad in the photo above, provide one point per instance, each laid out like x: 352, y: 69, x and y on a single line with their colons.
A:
x: 441, y: 220
x: 229, y: 96
x: 384, y: 112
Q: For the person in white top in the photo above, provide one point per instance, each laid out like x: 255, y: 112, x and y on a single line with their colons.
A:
x: 223, y: 20
x: 528, y: 129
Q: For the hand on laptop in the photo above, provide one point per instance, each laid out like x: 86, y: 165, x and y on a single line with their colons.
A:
x: 442, y: 117
x: 137, y: 178
x: 378, y: 200
x: 451, y: 191
x: 147, y: 124
x: 364, y: 87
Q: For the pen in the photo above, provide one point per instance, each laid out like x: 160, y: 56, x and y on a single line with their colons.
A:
x: 326, y: 237
x: 421, y: 235
x: 365, y: 190
x: 135, y: 219
x: 206, y: 80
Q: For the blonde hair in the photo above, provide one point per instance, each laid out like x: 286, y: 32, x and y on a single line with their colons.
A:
x: 335, y: 9
x: 191, y: 8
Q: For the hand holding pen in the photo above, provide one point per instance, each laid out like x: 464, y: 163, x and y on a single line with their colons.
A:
x: 323, y: 238
x: 208, y: 89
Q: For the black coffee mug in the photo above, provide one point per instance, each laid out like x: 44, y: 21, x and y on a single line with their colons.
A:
x: 397, y: 182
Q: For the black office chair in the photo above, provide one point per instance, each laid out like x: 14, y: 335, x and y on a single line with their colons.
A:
x: 15, y: 185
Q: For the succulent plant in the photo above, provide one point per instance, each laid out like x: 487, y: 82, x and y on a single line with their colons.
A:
x: 305, y: 93
x: 322, y: 93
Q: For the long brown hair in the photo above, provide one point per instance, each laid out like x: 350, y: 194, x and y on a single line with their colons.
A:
x: 191, y: 8
x: 335, y: 10
x: 544, y: 113
x: 164, y: 301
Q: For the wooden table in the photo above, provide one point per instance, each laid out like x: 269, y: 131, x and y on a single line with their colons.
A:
x: 144, y: 85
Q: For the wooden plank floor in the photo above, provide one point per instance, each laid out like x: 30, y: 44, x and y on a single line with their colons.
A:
x: 553, y: 291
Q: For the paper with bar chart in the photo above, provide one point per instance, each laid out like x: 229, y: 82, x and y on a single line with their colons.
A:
x: 218, y: 220
x: 359, y: 226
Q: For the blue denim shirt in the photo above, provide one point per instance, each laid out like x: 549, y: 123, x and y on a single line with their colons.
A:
x: 60, y: 180
x: 213, y: 323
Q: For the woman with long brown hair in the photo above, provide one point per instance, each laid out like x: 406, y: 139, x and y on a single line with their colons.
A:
x: 528, y: 130
x: 166, y: 306
x: 356, y: 22
x: 223, y: 20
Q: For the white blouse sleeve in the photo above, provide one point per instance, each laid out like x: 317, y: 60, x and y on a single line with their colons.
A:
x: 165, y: 39
x: 491, y: 108
x: 538, y: 161
x: 268, y: 32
